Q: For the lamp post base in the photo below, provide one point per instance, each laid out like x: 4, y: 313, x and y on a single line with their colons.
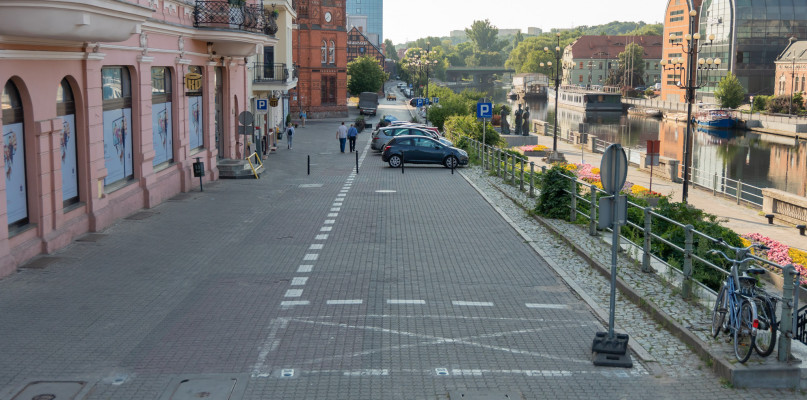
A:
x: 555, y: 157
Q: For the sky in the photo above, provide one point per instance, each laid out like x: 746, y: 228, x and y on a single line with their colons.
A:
x: 406, y: 20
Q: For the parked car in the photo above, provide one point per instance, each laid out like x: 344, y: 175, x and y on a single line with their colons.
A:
x: 640, y: 88
x: 368, y: 103
x: 422, y: 150
x: 383, y: 135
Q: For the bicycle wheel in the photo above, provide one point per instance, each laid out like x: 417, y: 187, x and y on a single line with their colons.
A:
x: 766, y: 333
x: 719, y: 312
x: 743, y: 333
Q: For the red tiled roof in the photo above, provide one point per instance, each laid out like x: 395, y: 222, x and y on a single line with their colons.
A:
x: 602, y: 47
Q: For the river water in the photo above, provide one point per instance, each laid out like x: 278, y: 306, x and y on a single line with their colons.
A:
x: 724, y: 156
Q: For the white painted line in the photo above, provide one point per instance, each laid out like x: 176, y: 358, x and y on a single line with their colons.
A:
x: 326, y: 229
x: 333, y: 215
x: 551, y: 306
x: 342, y: 302
x: 299, y: 281
x: 294, y: 303
x: 335, y: 209
x: 311, y: 257
x: 336, y: 205
x: 343, y: 191
x: 398, y: 301
x: 341, y: 195
x: 304, y: 269
x: 386, y: 191
x: 269, y: 345
x: 316, y: 247
x: 368, y: 372
x: 330, y: 221
x: 323, y: 236
x: 294, y: 293
x: 473, y: 303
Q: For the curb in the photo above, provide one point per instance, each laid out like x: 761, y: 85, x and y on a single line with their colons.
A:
x: 778, y: 377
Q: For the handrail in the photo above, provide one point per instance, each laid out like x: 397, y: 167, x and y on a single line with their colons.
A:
x: 258, y: 162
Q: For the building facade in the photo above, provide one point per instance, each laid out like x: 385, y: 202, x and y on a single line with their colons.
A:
x: 590, y: 59
x: 103, y: 118
x: 749, y: 36
x: 791, y: 69
x: 320, y: 53
x: 374, y: 10
x: 359, y: 45
x: 676, y: 26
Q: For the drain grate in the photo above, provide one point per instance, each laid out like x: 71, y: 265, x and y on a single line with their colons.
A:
x: 139, y: 216
x: 44, y: 390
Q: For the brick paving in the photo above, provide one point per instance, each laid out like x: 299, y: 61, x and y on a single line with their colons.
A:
x: 330, y: 286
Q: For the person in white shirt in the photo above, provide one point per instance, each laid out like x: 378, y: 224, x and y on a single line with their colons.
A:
x: 341, y: 134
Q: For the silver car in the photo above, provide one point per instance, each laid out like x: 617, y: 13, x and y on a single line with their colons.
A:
x: 384, y: 135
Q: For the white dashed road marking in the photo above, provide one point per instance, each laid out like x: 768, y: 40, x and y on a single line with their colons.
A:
x: 399, y: 301
x: 343, y: 302
x: 550, y: 306
x: 299, y: 281
x: 304, y: 269
x: 294, y: 293
x: 311, y: 257
x: 294, y: 303
x: 473, y: 303
x: 321, y: 237
x: 316, y: 246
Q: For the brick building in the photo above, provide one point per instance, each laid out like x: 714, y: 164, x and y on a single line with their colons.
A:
x: 358, y: 45
x: 320, y: 53
x: 676, y: 26
x: 791, y: 69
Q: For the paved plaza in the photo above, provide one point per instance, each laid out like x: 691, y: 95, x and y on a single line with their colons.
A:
x: 334, y: 285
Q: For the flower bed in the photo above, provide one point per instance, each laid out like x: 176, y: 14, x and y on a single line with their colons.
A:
x: 537, y: 150
x: 778, y: 253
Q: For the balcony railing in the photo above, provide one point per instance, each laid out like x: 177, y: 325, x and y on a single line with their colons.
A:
x: 224, y: 15
x: 268, y: 73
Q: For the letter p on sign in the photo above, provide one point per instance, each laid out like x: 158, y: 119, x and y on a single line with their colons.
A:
x: 484, y: 110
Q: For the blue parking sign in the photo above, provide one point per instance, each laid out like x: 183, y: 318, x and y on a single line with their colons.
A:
x: 484, y: 110
x: 262, y: 104
x: 435, y: 100
x: 419, y: 102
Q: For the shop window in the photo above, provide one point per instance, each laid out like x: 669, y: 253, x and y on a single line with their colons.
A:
x: 14, y: 156
x: 196, y: 112
x: 66, y: 108
x: 161, y: 115
x: 117, y: 104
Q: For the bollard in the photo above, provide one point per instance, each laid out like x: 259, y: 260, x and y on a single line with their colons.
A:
x: 522, y: 174
x: 770, y: 218
x: 647, y: 238
x: 309, y: 165
x: 452, y: 168
x: 357, y: 163
x: 498, y: 162
x: 592, y: 225
x: 543, y: 169
x: 532, y: 179
x: 402, y: 163
x: 787, y: 328
x: 739, y: 190
x: 801, y: 229
x: 686, y: 284
x: 573, y: 193
x: 714, y: 185
x: 513, y: 170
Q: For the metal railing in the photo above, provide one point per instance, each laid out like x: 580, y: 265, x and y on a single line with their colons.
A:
x: 264, y: 73
x: 222, y: 14
x: 691, y: 252
x: 723, y: 185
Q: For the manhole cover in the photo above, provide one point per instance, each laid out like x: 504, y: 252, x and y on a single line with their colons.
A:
x: 140, y: 215
x: 91, y: 237
x: 42, y: 390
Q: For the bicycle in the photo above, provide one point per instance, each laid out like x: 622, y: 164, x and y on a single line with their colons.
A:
x: 766, y: 310
x: 743, y: 321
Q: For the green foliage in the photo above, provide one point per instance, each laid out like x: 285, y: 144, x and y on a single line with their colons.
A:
x: 365, y: 75
x: 484, y: 36
x: 630, y: 72
x: 529, y: 54
x: 650, y: 30
x: 761, y: 103
x: 730, y: 92
x: 781, y: 104
x: 554, y: 202
x: 470, y: 126
x: 389, y: 51
x: 359, y: 123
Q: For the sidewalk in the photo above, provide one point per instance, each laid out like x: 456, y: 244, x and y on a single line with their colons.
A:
x: 741, y: 219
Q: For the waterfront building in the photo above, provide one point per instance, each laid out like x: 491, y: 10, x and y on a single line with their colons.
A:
x: 105, y: 108
x: 374, y: 11
x: 320, y: 53
x: 590, y: 59
x: 749, y: 36
x: 676, y: 26
x: 791, y: 69
x: 359, y: 45
x: 533, y: 31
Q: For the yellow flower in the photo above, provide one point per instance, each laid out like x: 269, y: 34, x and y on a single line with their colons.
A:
x: 595, y: 170
x: 798, y: 256
x: 745, y: 242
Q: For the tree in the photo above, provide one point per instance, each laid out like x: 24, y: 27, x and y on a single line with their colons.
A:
x: 730, y: 92
x: 389, y: 51
x: 484, y: 36
x: 518, y: 39
x: 630, y: 72
x: 365, y: 75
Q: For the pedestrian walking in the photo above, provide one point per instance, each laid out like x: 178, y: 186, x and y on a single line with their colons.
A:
x: 289, y: 133
x: 303, y: 116
x: 341, y: 134
x: 351, y: 137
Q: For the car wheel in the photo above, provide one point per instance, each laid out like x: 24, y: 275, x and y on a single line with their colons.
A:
x: 451, y: 162
x: 395, y: 161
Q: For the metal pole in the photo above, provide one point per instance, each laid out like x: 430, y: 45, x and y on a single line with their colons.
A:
x: 787, y: 308
x: 739, y: 190
x: 402, y: 162
x: 686, y: 284
x: 522, y: 174
x: 532, y: 179
x: 690, y: 93
x: 513, y: 170
x: 647, y: 237
x: 309, y: 165
x: 573, y: 194
x: 592, y: 226
x: 614, y: 248
x: 357, y: 163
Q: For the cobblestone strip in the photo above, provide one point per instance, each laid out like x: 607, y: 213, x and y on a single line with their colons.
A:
x: 658, y: 344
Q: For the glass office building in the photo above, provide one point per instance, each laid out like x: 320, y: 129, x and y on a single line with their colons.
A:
x: 374, y: 10
x: 749, y: 36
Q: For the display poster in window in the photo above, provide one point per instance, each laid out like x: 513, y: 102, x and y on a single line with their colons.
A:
x: 14, y: 157
x: 69, y: 164
x: 163, y: 135
x: 195, y: 121
x: 117, y: 144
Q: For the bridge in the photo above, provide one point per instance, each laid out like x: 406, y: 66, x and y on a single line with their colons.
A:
x: 479, y: 74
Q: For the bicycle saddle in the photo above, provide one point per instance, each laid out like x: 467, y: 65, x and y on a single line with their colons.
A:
x: 755, y: 271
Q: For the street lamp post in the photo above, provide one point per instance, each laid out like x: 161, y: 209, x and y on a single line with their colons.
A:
x: 695, y: 70
x: 792, y: 73
x: 555, y: 156
x: 420, y: 62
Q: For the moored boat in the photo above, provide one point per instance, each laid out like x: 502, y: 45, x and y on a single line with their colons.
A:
x: 715, y: 118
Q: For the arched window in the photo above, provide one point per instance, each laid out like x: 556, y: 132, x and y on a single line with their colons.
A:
x: 161, y: 116
x: 117, y: 103
x: 14, y: 156
x: 332, y: 53
x: 324, y: 50
x: 66, y: 108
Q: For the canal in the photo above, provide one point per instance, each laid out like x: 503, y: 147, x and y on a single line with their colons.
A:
x: 724, y: 156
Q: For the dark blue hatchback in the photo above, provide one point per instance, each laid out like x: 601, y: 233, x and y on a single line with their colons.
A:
x: 422, y: 150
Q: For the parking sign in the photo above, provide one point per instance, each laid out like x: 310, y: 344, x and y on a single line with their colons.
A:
x: 484, y: 110
x: 419, y: 102
x: 262, y: 104
x: 435, y: 100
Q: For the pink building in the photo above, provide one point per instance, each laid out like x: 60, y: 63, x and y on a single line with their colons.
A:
x: 107, y: 103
